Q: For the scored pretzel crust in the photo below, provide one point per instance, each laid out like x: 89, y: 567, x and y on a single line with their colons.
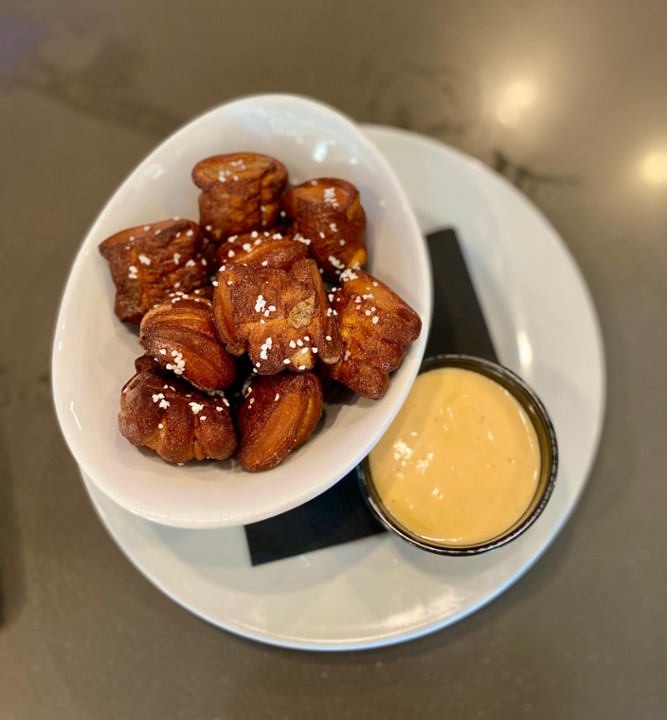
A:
x: 376, y: 327
x: 269, y: 249
x: 177, y: 422
x: 277, y: 415
x: 181, y: 337
x: 281, y: 319
x: 328, y: 212
x: 240, y: 192
x: 149, y: 262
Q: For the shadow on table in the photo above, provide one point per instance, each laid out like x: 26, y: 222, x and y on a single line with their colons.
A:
x: 11, y: 571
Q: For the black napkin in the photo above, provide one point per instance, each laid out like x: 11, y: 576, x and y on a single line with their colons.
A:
x: 458, y: 324
x: 340, y: 514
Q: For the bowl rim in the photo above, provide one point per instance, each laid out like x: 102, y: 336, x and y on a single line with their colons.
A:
x: 69, y: 424
x: 531, y: 403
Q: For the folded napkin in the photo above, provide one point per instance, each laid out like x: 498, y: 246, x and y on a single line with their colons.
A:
x: 340, y: 514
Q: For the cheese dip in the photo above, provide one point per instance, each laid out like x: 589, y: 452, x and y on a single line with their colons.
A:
x: 461, y: 461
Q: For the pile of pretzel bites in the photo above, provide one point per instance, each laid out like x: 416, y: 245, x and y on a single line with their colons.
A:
x: 264, y: 298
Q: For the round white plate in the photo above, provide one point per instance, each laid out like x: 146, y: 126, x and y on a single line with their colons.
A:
x: 379, y: 590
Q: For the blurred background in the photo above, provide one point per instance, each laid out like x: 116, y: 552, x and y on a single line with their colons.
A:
x: 567, y: 101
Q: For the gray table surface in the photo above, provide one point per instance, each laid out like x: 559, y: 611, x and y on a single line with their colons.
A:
x: 87, y: 89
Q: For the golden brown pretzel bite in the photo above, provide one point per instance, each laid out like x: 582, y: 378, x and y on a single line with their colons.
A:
x: 203, y: 293
x: 328, y: 212
x: 240, y: 192
x: 176, y: 421
x: 150, y: 261
x: 376, y: 327
x: 282, y: 320
x: 277, y: 415
x: 181, y: 337
x: 269, y: 249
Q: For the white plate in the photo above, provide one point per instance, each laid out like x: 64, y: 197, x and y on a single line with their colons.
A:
x: 313, y: 141
x: 379, y: 590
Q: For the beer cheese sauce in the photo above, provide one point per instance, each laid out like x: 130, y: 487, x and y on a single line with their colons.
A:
x: 460, y: 463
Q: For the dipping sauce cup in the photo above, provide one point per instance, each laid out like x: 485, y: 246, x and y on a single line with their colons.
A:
x: 468, y: 464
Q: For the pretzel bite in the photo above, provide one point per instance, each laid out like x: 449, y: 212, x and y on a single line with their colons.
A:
x: 277, y: 415
x: 262, y: 249
x: 328, y: 212
x: 181, y: 337
x: 208, y: 249
x: 240, y: 192
x: 281, y: 319
x: 202, y: 293
x: 149, y: 262
x: 376, y: 327
x: 176, y: 421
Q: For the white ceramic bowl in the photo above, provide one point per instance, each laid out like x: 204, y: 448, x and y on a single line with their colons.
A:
x: 94, y: 352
